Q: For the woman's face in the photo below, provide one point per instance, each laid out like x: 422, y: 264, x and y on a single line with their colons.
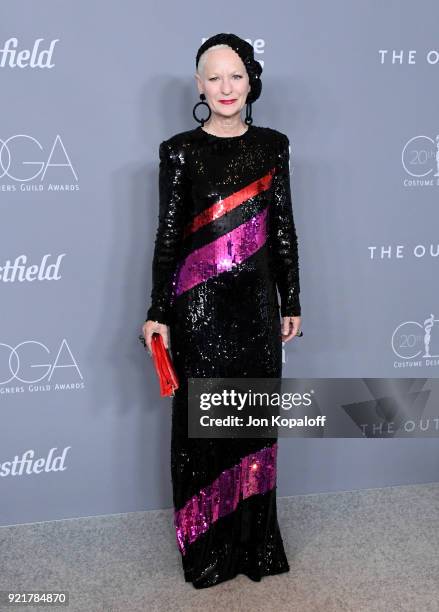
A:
x: 224, y: 81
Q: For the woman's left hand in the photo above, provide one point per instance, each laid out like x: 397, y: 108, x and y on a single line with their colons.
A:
x: 290, y: 327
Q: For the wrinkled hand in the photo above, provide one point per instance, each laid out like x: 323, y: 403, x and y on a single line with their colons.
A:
x: 290, y: 327
x: 153, y: 327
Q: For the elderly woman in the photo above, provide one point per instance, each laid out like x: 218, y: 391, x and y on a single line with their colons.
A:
x: 226, y: 242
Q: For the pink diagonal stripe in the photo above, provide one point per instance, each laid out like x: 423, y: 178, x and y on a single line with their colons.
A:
x: 254, y: 474
x: 221, y: 254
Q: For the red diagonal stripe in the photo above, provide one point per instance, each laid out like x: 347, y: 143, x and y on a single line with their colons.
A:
x: 232, y: 201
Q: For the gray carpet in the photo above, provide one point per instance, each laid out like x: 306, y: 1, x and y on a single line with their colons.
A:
x: 370, y: 550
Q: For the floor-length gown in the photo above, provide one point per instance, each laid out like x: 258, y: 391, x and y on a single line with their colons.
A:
x: 226, y: 239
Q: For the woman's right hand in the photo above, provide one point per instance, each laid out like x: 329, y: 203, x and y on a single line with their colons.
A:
x: 154, y: 327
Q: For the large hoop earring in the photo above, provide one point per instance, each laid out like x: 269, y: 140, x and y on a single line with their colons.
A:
x: 248, y: 114
x: 202, y: 103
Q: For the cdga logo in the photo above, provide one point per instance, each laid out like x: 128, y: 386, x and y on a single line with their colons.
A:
x: 420, y: 160
x: 31, y: 362
x: 23, y: 158
x: 417, y: 344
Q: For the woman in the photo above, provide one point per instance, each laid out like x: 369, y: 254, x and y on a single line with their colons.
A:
x: 226, y: 239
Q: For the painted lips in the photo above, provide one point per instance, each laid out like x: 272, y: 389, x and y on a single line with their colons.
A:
x: 227, y: 101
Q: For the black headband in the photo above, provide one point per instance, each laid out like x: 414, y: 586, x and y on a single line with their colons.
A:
x: 245, y: 52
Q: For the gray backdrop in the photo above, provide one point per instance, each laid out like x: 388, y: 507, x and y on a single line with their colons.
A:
x: 354, y: 85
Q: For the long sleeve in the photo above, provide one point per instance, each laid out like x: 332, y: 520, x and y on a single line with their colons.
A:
x: 284, y: 237
x: 172, y: 193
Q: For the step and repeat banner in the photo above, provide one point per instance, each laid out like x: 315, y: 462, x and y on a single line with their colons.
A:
x: 88, y: 94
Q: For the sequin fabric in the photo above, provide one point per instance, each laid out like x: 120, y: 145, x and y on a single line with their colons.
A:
x: 255, y: 474
x: 225, y: 267
x: 222, y: 253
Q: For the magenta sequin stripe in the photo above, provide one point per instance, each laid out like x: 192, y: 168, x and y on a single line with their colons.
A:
x: 255, y: 473
x: 221, y: 254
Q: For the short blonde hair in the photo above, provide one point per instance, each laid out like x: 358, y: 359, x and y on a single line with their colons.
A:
x: 202, y: 60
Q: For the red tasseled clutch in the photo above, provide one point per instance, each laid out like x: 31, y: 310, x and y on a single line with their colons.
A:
x: 163, y: 365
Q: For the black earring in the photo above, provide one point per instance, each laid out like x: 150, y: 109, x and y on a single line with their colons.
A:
x: 248, y: 114
x: 202, y: 97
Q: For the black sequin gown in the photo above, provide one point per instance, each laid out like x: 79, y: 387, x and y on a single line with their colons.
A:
x: 226, y: 239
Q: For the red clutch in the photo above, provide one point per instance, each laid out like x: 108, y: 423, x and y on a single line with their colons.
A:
x: 163, y: 365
